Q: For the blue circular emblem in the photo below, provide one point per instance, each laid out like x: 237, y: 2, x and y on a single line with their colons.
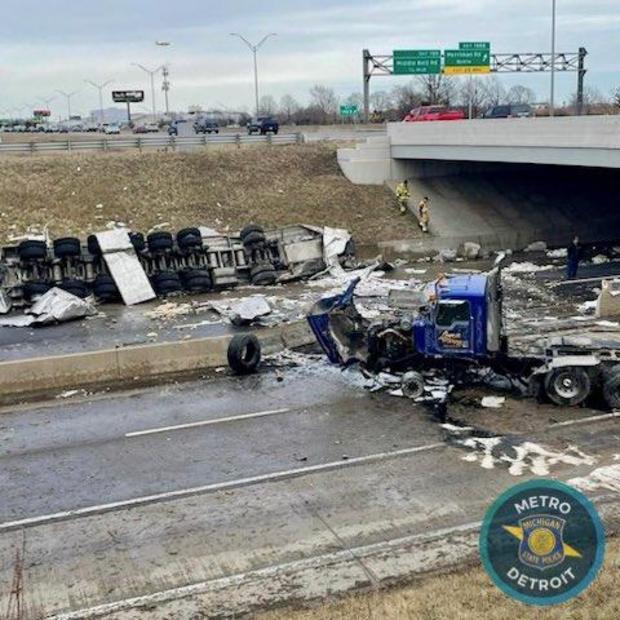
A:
x: 542, y: 542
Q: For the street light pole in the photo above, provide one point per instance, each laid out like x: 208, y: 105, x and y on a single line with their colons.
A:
x: 254, y: 49
x: 100, y: 88
x: 68, y: 97
x: 552, y: 97
x: 151, y: 73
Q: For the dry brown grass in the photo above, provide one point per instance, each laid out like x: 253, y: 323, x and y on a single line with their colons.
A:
x: 468, y: 595
x: 219, y: 188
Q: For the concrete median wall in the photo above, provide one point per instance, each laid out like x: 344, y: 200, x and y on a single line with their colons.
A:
x: 129, y: 365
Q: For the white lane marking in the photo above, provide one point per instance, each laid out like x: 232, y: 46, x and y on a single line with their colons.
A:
x: 211, y: 488
x: 593, y: 418
x: 238, y: 579
x: 232, y: 418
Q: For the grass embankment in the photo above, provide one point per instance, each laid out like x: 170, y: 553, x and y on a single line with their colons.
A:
x: 224, y: 189
x: 468, y: 595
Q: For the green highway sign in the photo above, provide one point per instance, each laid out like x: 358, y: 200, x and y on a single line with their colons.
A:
x: 416, y: 62
x: 467, y: 61
x: 475, y: 45
x: 348, y: 110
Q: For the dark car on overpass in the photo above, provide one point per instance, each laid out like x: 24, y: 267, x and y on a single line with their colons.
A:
x: 263, y: 125
x: 205, y: 126
x: 510, y: 110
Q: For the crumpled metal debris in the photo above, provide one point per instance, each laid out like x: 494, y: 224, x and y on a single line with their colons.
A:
x: 244, y: 311
x: 55, y: 306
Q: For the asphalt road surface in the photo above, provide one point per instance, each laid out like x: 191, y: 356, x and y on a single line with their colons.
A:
x: 120, y: 496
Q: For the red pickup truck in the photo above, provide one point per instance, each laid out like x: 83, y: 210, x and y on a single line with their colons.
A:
x: 433, y: 113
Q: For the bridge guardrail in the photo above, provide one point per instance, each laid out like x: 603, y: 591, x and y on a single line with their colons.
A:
x: 146, y: 142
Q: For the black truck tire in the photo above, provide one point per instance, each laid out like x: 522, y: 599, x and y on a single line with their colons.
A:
x: 244, y: 354
x: 189, y: 238
x: 166, y: 282
x: 263, y: 274
x: 253, y: 239
x: 611, y: 389
x: 67, y: 247
x: 159, y: 241
x: 35, y: 289
x: 413, y: 384
x: 196, y: 280
x: 137, y: 240
x: 79, y: 288
x: 93, y: 245
x: 250, y: 228
x: 32, y: 250
x: 568, y: 386
x: 105, y: 288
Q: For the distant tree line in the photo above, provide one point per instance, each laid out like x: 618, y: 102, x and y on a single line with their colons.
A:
x: 477, y: 93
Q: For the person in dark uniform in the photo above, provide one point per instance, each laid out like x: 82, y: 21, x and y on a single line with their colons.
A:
x: 573, y: 256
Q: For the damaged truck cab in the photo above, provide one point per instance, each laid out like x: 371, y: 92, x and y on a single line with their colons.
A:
x: 462, y: 317
x: 455, y: 324
x: 459, y: 317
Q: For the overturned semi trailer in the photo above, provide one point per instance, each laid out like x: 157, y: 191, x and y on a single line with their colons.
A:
x: 125, y: 265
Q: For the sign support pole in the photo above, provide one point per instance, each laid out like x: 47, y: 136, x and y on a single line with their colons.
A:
x: 365, y: 60
x: 581, y: 74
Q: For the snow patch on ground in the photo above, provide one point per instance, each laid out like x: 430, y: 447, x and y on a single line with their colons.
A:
x: 528, y: 456
x: 601, y: 478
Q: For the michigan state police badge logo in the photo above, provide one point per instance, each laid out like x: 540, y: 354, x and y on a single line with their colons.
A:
x: 542, y: 542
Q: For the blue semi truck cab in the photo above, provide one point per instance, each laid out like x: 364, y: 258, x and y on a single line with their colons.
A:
x: 459, y: 317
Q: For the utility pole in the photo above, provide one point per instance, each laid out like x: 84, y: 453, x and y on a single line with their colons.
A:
x: 68, y: 97
x: 254, y: 49
x: 100, y: 88
x: 151, y: 73
x: 165, y: 86
x: 552, y: 97
x: 165, y: 71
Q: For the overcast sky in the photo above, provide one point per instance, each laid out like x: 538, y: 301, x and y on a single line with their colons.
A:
x: 56, y: 44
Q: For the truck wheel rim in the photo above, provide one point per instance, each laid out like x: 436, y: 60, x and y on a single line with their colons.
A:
x: 567, y: 386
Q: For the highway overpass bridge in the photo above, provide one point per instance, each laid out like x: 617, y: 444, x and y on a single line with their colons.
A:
x: 503, y: 182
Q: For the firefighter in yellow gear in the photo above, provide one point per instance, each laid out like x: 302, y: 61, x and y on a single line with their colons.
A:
x: 424, y: 214
x: 402, y: 194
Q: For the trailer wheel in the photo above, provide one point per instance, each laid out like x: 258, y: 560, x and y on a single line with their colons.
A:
x: 412, y: 384
x: 244, y: 354
x: 568, y: 386
x: 611, y: 390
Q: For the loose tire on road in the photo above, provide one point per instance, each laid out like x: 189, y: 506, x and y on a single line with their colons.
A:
x: 105, y: 288
x: 67, y: 247
x: 244, y: 354
x: 79, y: 288
x: 32, y: 250
x: 611, y: 389
x: 189, y: 238
x: 413, y: 384
x: 166, y: 282
x: 35, y: 289
x: 159, y: 241
x: 568, y: 386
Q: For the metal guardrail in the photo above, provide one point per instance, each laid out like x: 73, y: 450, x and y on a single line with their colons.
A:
x: 147, y: 142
